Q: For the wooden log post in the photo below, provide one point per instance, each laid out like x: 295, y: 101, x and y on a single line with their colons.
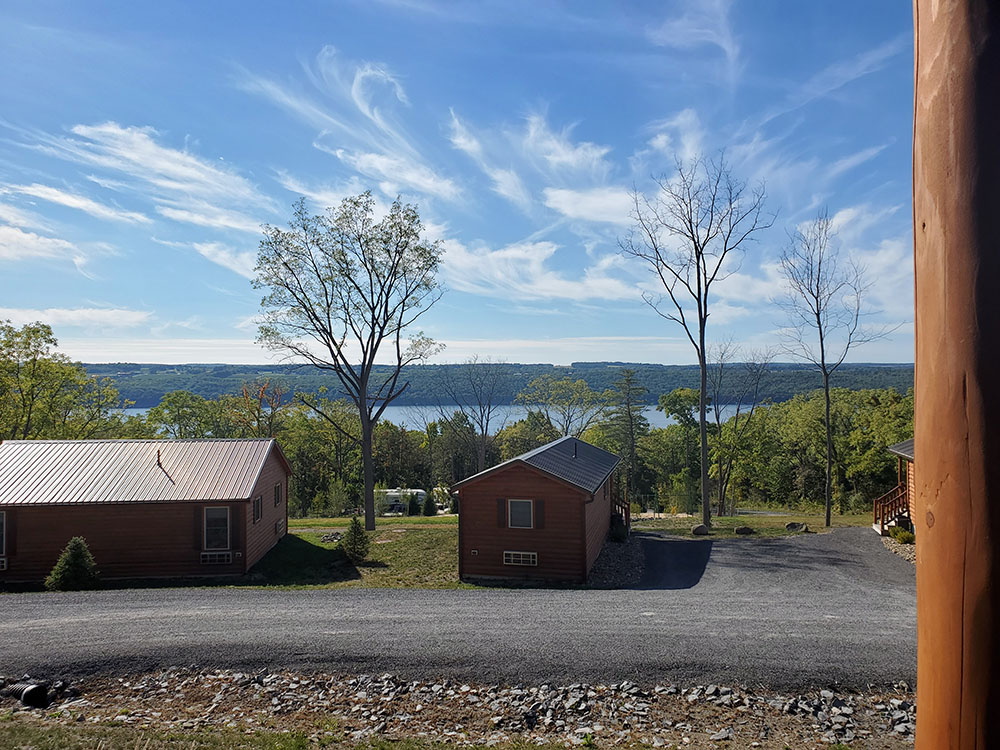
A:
x: 956, y: 214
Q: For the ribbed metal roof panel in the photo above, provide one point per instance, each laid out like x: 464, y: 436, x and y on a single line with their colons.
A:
x: 904, y: 449
x: 66, y: 472
x: 570, y: 459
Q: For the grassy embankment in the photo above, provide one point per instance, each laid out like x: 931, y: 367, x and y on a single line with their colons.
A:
x: 418, y: 552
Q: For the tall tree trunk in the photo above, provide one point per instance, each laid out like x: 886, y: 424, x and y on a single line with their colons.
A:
x: 706, y: 507
x: 828, y: 483
x: 368, y: 466
x: 956, y: 232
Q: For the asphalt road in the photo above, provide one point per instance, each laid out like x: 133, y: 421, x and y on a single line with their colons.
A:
x: 834, y: 609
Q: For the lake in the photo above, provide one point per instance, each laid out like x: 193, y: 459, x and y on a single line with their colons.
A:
x: 415, y: 417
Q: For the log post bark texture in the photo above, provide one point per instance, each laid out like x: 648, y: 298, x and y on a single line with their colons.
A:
x: 956, y: 213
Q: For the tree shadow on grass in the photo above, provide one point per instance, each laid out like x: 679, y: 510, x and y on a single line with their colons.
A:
x: 295, y: 561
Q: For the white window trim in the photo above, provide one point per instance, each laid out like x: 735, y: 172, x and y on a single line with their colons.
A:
x: 519, y: 557
x: 3, y: 536
x: 520, y: 500
x: 277, y: 494
x: 204, y: 529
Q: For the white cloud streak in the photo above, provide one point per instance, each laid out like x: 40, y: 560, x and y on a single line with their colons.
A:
x: 611, y: 205
x: 521, y: 271
x: 80, y: 203
x: 77, y: 317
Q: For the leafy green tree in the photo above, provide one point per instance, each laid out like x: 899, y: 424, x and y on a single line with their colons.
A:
x: 355, y: 542
x: 75, y: 570
x: 534, y: 431
x: 570, y: 406
x: 182, y: 415
x: 430, y: 507
x: 691, y: 234
x: 343, y: 290
x: 43, y: 394
x: 413, y: 505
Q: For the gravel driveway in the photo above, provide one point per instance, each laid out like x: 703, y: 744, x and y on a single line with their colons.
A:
x: 784, y: 613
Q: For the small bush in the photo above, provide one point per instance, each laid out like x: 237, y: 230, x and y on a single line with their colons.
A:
x: 905, y: 537
x: 896, y: 531
x: 635, y: 508
x: 619, y: 531
x: 430, y: 507
x: 355, y: 541
x: 75, y: 570
x: 413, y: 505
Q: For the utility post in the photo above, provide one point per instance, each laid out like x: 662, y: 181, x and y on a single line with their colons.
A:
x: 956, y: 231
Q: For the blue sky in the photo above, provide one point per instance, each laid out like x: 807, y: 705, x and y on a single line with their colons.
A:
x: 142, y: 145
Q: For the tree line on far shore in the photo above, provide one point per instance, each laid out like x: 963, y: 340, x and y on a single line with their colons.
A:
x: 767, y: 454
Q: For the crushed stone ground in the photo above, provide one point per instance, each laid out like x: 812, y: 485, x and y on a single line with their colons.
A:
x: 358, y: 708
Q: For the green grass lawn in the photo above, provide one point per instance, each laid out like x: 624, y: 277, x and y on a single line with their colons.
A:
x: 423, y: 556
x: 344, y: 522
x: 763, y: 525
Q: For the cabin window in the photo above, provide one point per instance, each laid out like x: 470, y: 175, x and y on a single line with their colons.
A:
x: 217, y: 528
x: 3, y: 533
x: 519, y: 514
x: 258, y: 508
x: 277, y: 495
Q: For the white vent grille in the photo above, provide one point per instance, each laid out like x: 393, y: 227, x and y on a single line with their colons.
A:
x: 3, y: 563
x: 520, y: 558
x: 216, y: 558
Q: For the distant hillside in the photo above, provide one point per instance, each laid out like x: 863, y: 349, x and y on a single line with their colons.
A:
x: 145, y: 384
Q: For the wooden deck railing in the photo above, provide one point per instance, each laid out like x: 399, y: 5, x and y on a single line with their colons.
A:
x: 890, y: 506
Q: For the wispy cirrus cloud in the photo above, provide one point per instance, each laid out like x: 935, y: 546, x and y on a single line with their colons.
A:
x: 612, y: 205
x: 79, y: 202
x: 241, y: 262
x: 354, y: 106
x: 837, y: 75
x: 524, y: 271
x: 19, y: 244
x: 555, y: 153
x: 701, y: 23
x: 506, y: 182
x: 182, y: 186
x: 79, y: 317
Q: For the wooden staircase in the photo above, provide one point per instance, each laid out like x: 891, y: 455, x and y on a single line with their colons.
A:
x: 891, y: 508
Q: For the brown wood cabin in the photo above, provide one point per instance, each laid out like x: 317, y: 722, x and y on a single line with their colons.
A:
x: 543, y: 515
x: 895, y: 508
x: 147, y: 508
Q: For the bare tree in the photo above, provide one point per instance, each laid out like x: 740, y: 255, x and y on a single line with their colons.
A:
x: 737, y: 393
x: 474, y: 389
x: 692, y: 234
x: 824, y: 302
x: 342, y: 291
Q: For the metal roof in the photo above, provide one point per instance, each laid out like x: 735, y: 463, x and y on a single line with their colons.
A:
x: 64, y: 472
x: 904, y: 449
x: 570, y: 459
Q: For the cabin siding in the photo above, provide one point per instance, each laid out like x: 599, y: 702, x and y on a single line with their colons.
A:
x: 133, y: 540
x: 265, y: 533
x: 598, y: 522
x: 559, y: 543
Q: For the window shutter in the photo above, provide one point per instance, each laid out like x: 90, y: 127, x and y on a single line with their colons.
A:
x: 10, y: 528
x: 199, y: 518
x: 539, y: 514
x: 502, y: 513
x: 234, y: 528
